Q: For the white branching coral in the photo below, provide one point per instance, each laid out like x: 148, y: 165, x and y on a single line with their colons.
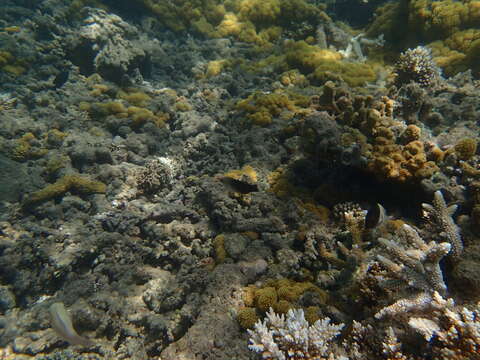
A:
x: 453, y: 332
x: 441, y: 215
x: 292, y: 337
x: 417, y: 266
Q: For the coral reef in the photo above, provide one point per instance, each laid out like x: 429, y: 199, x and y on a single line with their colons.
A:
x: 177, y: 172
x: 106, y: 45
x: 154, y: 176
x: 448, y: 28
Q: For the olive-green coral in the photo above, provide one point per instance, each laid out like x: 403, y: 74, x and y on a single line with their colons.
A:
x: 265, y: 298
x: 449, y: 28
x: 262, y: 108
x: 25, y: 149
x: 321, y: 65
x: 466, y: 148
x: 74, y: 183
x: 247, y: 317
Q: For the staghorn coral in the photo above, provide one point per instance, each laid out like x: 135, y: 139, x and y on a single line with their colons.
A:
x: 441, y: 215
x: 418, y: 266
x: 281, y: 338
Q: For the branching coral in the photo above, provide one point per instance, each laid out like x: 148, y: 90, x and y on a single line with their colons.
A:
x: 390, y: 155
x: 154, y: 176
x: 417, y: 266
x: 441, y: 215
x: 280, y: 338
x: 454, y: 332
x: 417, y: 65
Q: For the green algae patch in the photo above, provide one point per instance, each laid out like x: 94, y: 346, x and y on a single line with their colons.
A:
x: 74, y: 183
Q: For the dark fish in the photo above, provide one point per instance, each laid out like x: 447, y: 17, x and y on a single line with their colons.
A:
x: 239, y: 185
x: 375, y: 216
x: 60, y: 79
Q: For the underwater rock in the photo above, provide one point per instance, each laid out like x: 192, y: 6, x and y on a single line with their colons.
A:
x: 108, y: 46
x: 14, y: 179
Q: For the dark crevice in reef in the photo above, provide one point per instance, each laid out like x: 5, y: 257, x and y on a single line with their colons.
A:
x: 347, y: 183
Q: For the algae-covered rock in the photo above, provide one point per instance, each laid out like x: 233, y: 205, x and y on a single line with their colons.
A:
x: 74, y: 183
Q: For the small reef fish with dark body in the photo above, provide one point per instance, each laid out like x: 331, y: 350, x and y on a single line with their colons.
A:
x: 62, y: 324
x: 240, y: 186
x: 375, y: 216
x: 60, y: 79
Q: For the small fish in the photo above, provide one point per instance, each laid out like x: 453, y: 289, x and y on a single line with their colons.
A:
x: 240, y: 186
x: 375, y: 216
x: 62, y: 324
x: 60, y: 79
